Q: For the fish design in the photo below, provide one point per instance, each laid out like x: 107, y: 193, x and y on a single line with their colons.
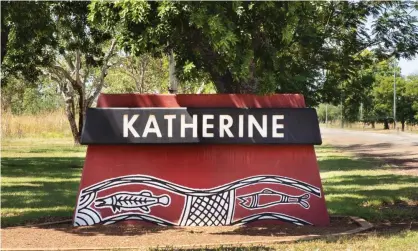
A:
x: 209, y: 207
x: 252, y: 201
x: 141, y: 201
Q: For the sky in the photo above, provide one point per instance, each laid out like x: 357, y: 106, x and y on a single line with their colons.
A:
x: 409, y: 67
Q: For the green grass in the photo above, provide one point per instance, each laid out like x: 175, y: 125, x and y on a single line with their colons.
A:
x: 366, y: 188
x: 40, y: 180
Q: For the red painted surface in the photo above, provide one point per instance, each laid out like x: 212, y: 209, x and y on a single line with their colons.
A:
x: 207, y: 166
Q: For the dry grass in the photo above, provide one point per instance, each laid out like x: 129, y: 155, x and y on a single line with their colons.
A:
x: 378, y: 127
x: 48, y: 125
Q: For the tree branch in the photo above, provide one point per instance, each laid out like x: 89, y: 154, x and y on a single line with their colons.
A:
x: 69, y: 62
x: 100, y: 81
x: 77, y: 67
x: 59, y: 70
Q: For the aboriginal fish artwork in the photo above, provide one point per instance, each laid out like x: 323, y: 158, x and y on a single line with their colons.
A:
x: 252, y: 201
x: 202, y: 207
x: 127, y: 201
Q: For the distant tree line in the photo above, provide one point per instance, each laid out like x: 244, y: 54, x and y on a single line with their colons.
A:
x: 375, y: 104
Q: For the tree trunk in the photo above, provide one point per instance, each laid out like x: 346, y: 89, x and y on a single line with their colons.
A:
x: 69, y: 111
x: 4, y: 38
x: 81, y: 110
x: 385, y: 124
x: 224, y: 83
x: 373, y: 125
x: 172, y: 74
x: 201, y: 87
x: 403, y: 125
x: 78, y: 84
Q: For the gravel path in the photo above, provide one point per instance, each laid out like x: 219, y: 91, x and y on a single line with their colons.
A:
x: 399, y: 150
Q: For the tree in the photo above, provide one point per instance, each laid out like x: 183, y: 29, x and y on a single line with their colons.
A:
x: 263, y: 47
x: 26, y: 29
x: 356, y: 88
x: 411, y: 91
x: 19, y: 98
x: 328, y: 113
x: 147, y: 74
x: 382, y: 95
x: 77, y: 55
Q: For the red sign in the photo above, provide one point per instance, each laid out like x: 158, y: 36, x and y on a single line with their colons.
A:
x: 201, y: 184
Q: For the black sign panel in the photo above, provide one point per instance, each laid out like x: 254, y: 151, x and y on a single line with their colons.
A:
x: 201, y: 125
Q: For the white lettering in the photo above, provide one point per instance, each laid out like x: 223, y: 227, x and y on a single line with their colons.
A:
x: 155, y: 128
x: 169, y: 119
x: 206, y: 126
x: 240, y: 126
x: 184, y: 126
x: 225, y: 127
x: 253, y: 122
x: 127, y: 126
x: 276, y: 126
x: 256, y: 124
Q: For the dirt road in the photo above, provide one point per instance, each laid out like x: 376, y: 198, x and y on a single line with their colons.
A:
x: 399, y: 150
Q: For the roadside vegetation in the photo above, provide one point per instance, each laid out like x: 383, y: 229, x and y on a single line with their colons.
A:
x: 374, y: 108
x: 379, y: 127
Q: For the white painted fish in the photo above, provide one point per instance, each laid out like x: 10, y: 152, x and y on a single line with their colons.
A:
x: 252, y: 201
x: 141, y: 201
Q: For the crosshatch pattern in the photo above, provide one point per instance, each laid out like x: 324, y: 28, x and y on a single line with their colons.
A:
x: 209, y: 210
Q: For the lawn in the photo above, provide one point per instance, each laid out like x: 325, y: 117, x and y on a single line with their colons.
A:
x: 40, y: 180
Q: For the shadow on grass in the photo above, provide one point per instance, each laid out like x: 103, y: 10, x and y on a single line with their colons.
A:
x: 400, y: 160
x: 342, y: 163
x: 42, y: 167
x: 366, y: 146
x: 362, y: 188
x: 368, y: 181
x: 38, y: 189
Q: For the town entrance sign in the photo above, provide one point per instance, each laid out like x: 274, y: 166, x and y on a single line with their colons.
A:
x: 201, y: 160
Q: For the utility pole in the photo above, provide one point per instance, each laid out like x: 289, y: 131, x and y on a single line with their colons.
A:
x: 342, y: 119
x: 394, y: 94
x: 361, y: 104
